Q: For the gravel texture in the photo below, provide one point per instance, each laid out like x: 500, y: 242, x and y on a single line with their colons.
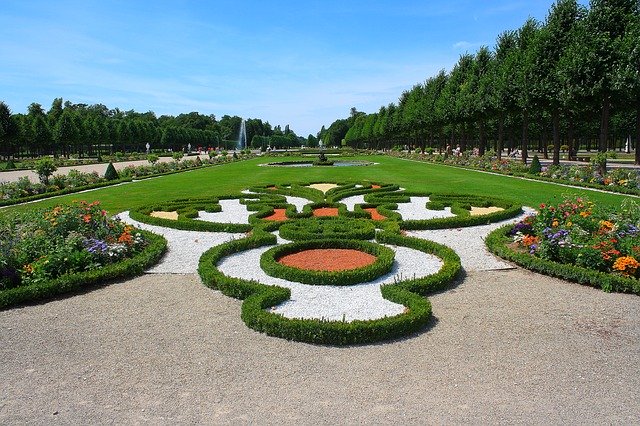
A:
x: 504, y: 347
x: 232, y: 212
x: 360, y: 301
x: 469, y: 243
x: 351, y: 202
x: 184, y: 248
x: 416, y: 210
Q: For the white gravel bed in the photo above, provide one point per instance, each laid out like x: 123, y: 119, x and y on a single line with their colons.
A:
x: 351, y: 202
x: 469, y: 243
x: 415, y: 210
x: 299, y: 202
x: 184, y: 248
x: 232, y: 212
x: 335, y: 303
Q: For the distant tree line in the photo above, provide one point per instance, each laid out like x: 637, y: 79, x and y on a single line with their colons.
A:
x: 570, y: 82
x: 91, y: 130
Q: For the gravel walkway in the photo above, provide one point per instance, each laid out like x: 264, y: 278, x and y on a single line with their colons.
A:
x: 505, y: 347
x: 100, y: 168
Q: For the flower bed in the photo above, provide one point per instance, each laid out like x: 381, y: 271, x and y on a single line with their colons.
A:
x: 578, y: 241
x: 44, y: 252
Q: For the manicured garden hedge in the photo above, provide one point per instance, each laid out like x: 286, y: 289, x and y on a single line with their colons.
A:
x: 328, y: 227
x: 498, y: 241
x: 73, y: 282
x: 259, y: 297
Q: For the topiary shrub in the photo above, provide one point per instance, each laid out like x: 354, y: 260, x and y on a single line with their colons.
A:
x: 111, y: 173
x: 535, y: 167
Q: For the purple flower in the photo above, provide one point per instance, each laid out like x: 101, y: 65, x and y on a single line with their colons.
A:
x: 95, y: 246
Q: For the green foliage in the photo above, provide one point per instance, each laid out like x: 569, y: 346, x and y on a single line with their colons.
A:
x: 177, y: 156
x: 152, y: 159
x: 578, y: 232
x: 43, y: 251
x: 535, y: 167
x: 327, y: 228
x: 498, y: 241
x: 258, y: 298
x: 45, y: 168
x: 111, y: 172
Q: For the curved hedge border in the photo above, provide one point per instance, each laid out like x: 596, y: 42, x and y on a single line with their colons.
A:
x: 319, y: 228
x: 382, y: 265
x: 497, y: 243
x: 259, y: 297
x: 72, y: 282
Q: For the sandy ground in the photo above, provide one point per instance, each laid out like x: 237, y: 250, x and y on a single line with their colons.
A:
x: 164, y: 215
x: 101, y: 168
x: 478, y: 211
x: 504, y: 347
x: 324, y: 187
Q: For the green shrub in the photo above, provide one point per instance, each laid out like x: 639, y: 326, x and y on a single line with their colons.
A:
x: 111, y: 173
x: 535, y: 167
x: 45, y: 168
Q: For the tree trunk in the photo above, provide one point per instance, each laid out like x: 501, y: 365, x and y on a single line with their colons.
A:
x: 500, y: 137
x: 483, y: 141
x: 637, y: 154
x: 556, y: 137
x: 604, y: 124
x: 573, y: 149
x: 525, y: 135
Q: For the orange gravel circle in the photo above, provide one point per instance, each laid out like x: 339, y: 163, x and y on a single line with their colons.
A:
x: 278, y: 215
x: 328, y: 259
x: 325, y: 211
x: 374, y: 214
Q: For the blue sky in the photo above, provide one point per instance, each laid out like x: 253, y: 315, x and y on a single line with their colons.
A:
x: 302, y: 63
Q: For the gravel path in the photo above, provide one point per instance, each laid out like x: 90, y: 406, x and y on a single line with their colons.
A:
x: 100, y: 168
x: 184, y: 248
x: 505, y: 347
x: 469, y: 243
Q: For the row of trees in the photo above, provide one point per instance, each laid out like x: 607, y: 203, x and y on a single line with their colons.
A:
x: 572, y: 80
x: 91, y: 130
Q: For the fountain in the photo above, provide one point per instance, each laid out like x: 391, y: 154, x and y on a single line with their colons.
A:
x: 242, y: 136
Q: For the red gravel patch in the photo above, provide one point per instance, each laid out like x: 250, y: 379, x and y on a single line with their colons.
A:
x: 375, y: 187
x: 374, y: 214
x: 272, y: 187
x: 328, y: 259
x: 278, y: 215
x: 325, y: 211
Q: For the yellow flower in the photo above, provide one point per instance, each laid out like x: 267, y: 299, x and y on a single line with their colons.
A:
x: 555, y: 223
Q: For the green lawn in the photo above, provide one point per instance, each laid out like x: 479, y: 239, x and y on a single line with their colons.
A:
x: 234, y: 177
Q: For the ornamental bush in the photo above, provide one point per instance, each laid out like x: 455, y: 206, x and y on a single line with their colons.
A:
x: 579, y: 232
x: 43, y: 245
x: 111, y: 173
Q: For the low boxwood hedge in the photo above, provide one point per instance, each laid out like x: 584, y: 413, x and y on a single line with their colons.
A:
x: 73, y: 282
x: 328, y: 227
x: 498, y: 240
x: 382, y: 264
x: 258, y: 298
